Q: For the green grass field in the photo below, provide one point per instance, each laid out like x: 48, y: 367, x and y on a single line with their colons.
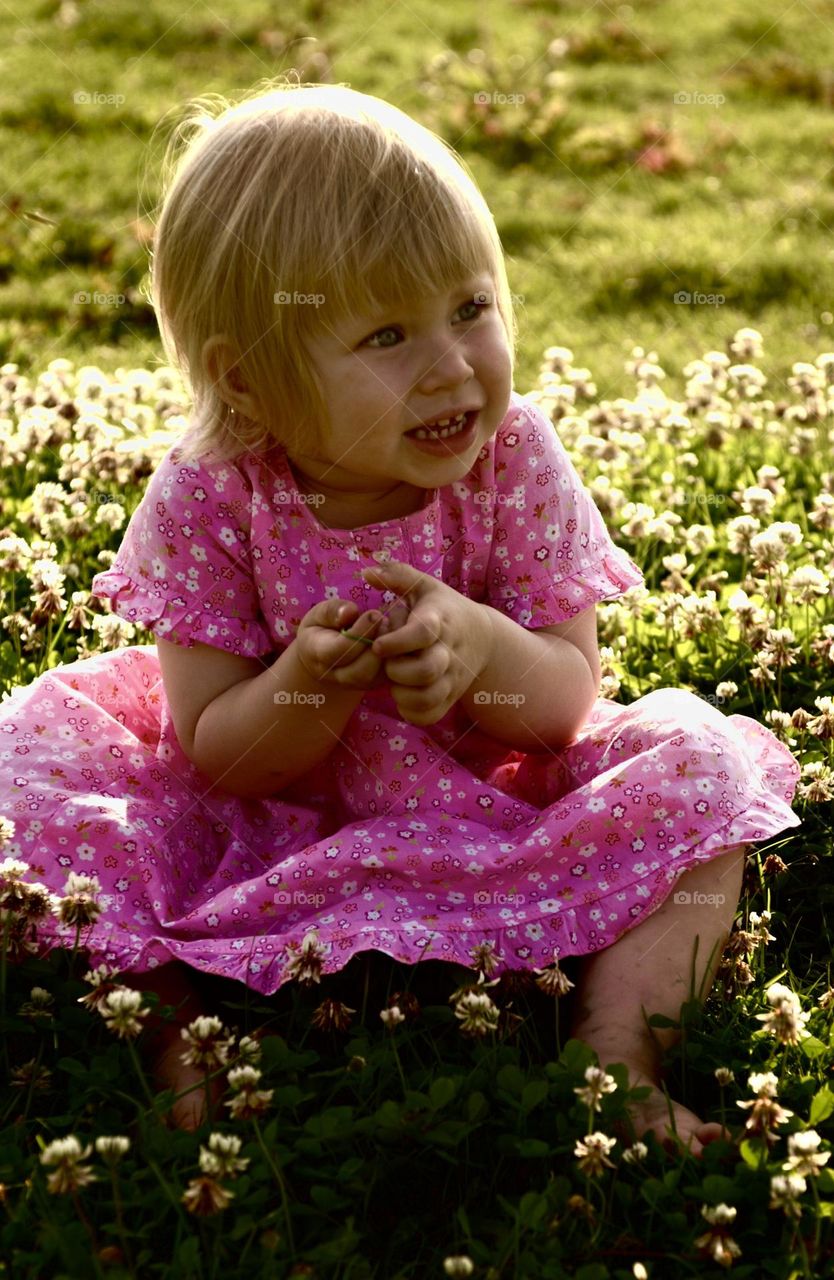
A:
x: 610, y: 196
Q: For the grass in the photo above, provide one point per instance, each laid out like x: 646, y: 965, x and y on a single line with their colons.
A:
x: 594, y: 238
x: 388, y: 1153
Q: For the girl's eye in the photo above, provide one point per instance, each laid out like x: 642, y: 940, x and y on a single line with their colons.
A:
x: 389, y: 329
x: 479, y: 303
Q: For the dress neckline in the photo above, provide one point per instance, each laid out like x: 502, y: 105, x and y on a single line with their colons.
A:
x: 432, y: 499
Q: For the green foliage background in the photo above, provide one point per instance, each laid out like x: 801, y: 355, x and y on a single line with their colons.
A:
x: 735, y: 198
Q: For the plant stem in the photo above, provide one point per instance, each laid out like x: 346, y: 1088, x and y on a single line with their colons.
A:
x: 120, y: 1223
x: 74, y: 951
x: 88, y: 1227
x: 3, y: 976
x: 142, y: 1079
x: 279, y: 1178
x: 399, y: 1066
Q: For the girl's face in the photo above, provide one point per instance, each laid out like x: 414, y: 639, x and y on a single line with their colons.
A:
x: 385, y: 373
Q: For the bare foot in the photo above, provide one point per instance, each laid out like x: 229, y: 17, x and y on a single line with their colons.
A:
x: 653, y: 1115
x: 170, y: 1072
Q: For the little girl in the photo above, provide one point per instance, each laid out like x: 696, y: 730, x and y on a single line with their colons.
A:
x: 371, y: 718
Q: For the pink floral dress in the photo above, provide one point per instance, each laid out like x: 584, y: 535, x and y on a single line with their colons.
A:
x: 414, y: 841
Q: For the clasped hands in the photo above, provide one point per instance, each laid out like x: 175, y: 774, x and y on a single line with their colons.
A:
x: 429, y: 645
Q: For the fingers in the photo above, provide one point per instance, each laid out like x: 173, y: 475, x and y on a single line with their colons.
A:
x: 420, y: 669
x: 421, y: 706
x: 418, y: 632
x: 349, y: 642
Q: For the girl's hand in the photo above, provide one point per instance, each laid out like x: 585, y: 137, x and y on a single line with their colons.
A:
x: 434, y: 657
x: 331, y: 657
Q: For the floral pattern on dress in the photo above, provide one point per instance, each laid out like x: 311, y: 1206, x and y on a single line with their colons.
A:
x: 415, y: 841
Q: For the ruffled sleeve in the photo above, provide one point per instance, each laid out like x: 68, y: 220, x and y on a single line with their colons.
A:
x: 184, y: 569
x: 552, y: 555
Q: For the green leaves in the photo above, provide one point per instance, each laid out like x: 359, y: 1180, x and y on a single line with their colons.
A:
x: 822, y: 1106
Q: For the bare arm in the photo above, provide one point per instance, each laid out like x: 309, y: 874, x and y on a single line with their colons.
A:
x: 254, y: 728
x: 538, y: 687
x: 261, y: 734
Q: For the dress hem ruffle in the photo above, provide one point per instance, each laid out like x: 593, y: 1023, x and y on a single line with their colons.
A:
x: 765, y: 816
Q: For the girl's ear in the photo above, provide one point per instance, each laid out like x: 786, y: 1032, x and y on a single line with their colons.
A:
x: 220, y: 361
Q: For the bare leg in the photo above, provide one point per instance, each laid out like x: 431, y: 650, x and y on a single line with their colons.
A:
x: 651, y: 968
x: 165, y: 1044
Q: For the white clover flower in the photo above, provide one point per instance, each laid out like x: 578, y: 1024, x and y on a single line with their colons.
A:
x: 477, y: 1013
x: 458, y: 1265
x: 763, y: 1083
x: 70, y: 1174
x: 803, y: 1156
x: 305, y: 959
x: 121, y: 1010
x: 720, y: 1215
x: 786, y: 1021
x: 785, y: 1189
x: 12, y: 869
x: 79, y: 905
x: 111, y: 514
x: 208, y: 1043
x: 807, y: 583
x: 757, y: 501
x: 726, y: 689
x: 759, y: 925
x: 592, y: 1154
x: 46, y: 575
x: 599, y: 1083
x: 392, y: 1017
x: 112, y: 1148
x: 747, y: 343
x: 115, y: 632
x: 221, y: 1159
x: 739, y: 532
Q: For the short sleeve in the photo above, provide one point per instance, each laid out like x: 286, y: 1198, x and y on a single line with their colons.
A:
x: 551, y: 555
x: 183, y: 569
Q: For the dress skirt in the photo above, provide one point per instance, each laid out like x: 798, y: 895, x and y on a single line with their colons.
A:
x: 416, y: 841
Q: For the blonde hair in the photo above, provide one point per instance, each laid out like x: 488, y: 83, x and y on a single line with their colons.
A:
x: 305, y: 189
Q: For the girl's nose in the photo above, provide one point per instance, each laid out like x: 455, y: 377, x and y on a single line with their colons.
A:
x: 450, y: 369
x: 447, y: 364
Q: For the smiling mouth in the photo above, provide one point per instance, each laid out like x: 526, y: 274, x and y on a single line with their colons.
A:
x: 444, y: 428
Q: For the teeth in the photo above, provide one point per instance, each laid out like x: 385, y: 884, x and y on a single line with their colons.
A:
x: 448, y: 427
